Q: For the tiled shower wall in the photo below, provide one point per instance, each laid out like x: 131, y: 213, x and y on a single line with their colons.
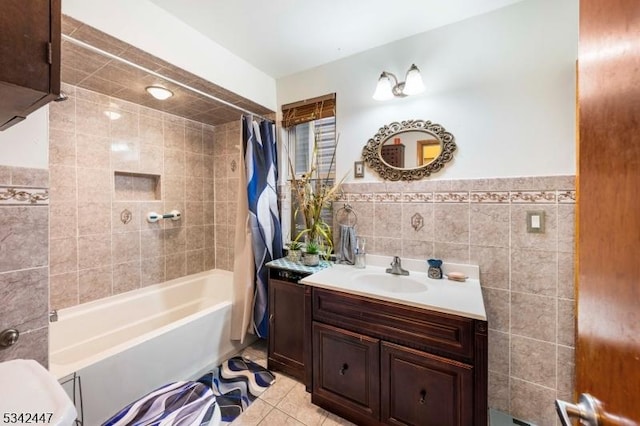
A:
x: 527, y: 279
x: 24, y: 259
x: 106, y: 175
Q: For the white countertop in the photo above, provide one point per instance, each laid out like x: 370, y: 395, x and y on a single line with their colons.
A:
x: 458, y: 298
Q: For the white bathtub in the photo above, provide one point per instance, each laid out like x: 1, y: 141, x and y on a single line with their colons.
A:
x: 124, y: 346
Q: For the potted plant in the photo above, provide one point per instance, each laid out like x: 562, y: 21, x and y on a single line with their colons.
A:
x: 293, y: 253
x: 312, y: 254
x: 313, y: 193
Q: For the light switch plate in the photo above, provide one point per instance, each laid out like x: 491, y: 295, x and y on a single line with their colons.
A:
x: 535, y: 222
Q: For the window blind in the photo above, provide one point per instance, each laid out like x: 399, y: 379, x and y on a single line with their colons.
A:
x: 309, y: 110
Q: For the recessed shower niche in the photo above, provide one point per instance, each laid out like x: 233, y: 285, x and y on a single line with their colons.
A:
x: 137, y: 186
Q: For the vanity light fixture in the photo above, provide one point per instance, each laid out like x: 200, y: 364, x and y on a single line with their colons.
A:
x: 159, y: 92
x: 388, y: 89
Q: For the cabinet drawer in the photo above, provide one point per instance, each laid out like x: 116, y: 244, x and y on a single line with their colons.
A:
x: 423, y: 389
x: 418, y: 328
x: 346, y: 372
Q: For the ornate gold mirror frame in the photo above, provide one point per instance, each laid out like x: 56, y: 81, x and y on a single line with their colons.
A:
x: 372, y: 156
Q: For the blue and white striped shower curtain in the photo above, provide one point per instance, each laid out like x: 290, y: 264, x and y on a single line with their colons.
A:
x: 261, y: 170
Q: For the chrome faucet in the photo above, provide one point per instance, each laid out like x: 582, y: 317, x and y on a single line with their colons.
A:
x: 53, y: 316
x: 396, y: 267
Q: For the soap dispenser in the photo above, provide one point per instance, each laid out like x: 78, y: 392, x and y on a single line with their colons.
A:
x: 360, y: 253
x: 435, y: 269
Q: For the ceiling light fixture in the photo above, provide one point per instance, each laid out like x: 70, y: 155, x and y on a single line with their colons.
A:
x: 388, y: 89
x: 159, y: 92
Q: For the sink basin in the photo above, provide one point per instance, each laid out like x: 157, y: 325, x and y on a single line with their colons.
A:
x: 27, y: 388
x: 391, y: 283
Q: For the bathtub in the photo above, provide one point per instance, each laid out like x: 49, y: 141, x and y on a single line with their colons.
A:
x: 124, y: 346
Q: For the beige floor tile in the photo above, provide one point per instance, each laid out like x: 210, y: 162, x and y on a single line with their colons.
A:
x: 262, y: 362
x: 297, y: 403
x: 278, y: 390
x: 257, y: 351
x: 253, y: 415
x: 293, y: 403
x: 277, y: 418
x: 333, y: 420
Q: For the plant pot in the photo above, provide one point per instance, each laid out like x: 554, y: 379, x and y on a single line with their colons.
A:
x: 311, y: 259
x: 294, y: 255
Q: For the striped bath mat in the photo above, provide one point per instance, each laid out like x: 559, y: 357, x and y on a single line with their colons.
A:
x: 180, y: 403
x: 236, y: 383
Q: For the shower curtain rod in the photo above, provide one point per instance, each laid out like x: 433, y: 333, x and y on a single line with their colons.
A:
x: 155, y: 74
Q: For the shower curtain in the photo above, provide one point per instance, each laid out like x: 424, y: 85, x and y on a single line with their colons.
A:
x: 264, y: 219
x: 243, y: 271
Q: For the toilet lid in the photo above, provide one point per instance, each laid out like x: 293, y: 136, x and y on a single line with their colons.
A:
x: 30, y: 394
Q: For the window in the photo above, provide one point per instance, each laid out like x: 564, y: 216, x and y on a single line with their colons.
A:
x: 302, y: 139
x: 311, y: 123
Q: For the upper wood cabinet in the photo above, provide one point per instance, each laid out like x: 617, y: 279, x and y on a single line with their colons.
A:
x: 29, y: 57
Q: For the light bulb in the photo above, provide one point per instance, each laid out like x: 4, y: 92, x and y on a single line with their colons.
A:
x: 413, y: 83
x: 159, y: 92
x: 383, y: 89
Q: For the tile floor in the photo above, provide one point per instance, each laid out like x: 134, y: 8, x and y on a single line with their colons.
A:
x: 285, y: 402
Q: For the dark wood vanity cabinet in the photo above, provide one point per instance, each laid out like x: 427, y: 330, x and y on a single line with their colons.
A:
x: 377, y: 362
x: 29, y: 57
x: 286, y: 323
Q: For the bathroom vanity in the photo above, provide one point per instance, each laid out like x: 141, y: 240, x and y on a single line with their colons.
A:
x: 396, y: 350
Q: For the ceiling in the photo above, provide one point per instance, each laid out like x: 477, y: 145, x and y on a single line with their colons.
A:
x: 282, y: 37
x: 103, y: 74
x: 279, y: 37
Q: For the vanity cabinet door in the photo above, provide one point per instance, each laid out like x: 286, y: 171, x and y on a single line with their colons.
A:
x: 419, y: 388
x: 286, y: 333
x: 346, y: 373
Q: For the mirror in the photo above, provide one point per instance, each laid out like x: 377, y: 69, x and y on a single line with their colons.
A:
x: 409, y: 150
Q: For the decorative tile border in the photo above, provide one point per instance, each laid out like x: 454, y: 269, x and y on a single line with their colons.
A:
x: 417, y: 197
x: 451, y: 197
x: 388, y: 197
x: 21, y: 196
x: 360, y: 198
x: 490, y: 197
x: 566, y: 197
x: 537, y: 197
x: 485, y: 197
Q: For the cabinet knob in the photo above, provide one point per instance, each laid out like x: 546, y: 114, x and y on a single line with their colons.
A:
x: 344, y: 369
x: 423, y: 396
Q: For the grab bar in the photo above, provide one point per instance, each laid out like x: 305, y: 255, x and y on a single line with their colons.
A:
x: 154, y: 217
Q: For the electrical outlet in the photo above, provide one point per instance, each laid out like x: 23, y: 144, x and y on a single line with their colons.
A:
x: 535, y: 222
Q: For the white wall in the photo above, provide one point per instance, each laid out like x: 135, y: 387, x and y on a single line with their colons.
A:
x: 503, y: 83
x: 26, y: 144
x: 150, y: 28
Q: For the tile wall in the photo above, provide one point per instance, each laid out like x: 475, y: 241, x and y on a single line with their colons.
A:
x: 106, y: 175
x: 24, y: 260
x: 527, y: 279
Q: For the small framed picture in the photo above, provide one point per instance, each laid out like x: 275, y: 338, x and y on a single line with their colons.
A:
x: 358, y: 169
